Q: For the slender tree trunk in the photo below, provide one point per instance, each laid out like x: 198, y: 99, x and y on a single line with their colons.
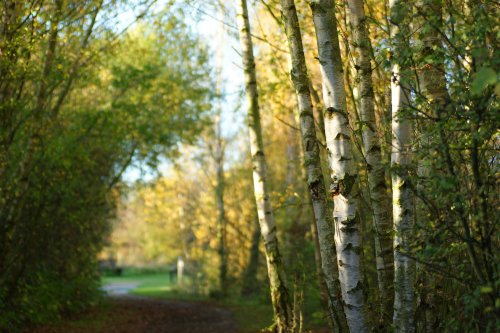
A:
x: 312, y: 163
x: 431, y: 75
x: 402, y: 199
x: 433, y: 88
x: 318, y: 115
x: 279, y: 291
x: 380, y: 200
x: 323, y: 288
x: 344, y: 175
x: 292, y: 234
x: 309, y: 217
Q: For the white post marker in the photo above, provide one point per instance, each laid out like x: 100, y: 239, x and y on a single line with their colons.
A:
x: 180, y: 269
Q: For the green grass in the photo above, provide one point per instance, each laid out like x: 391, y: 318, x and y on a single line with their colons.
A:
x: 153, y: 284
x: 147, y: 284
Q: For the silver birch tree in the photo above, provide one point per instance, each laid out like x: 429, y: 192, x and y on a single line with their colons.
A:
x: 344, y: 175
x: 379, y: 197
x: 312, y: 164
x: 279, y: 291
x: 402, y: 199
x: 432, y: 86
x: 431, y: 74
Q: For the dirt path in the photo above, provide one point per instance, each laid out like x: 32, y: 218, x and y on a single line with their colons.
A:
x: 130, y: 314
x: 119, y: 288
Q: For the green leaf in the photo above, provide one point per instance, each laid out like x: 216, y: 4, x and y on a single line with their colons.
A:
x: 486, y: 289
x: 482, y: 79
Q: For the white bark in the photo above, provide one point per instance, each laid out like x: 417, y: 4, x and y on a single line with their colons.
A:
x: 293, y: 223
x: 277, y: 279
x: 343, y: 170
x: 312, y: 164
x: 402, y: 199
x: 431, y: 75
x: 380, y: 200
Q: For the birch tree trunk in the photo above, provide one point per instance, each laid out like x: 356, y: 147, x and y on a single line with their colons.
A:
x: 279, y: 291
x: 293, y: 227
x: 402, y: 199
x: 312, y: 163
x: 433, y: 88
x: 431, y: 75
x: 344, y: 176
x: 379, y: 197
x: 323, y: 288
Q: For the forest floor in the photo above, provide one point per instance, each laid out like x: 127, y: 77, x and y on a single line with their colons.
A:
x: 136, y: 314
x: 148, y: 304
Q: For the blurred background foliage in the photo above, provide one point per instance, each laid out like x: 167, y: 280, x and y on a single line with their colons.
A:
x: 80, y: 102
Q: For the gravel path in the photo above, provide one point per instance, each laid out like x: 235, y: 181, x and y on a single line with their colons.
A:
x: 119, y: 288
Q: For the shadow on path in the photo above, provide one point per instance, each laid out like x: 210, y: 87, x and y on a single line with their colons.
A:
x: 134, y: 314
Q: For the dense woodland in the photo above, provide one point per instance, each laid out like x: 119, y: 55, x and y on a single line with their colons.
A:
x: 359, y: 187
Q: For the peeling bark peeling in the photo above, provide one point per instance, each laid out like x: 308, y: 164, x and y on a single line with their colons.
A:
x: 279, y: 291
x: 402, y: 200
x: 312, y: 164
x: 343, y: 171
x: 379, y: 197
